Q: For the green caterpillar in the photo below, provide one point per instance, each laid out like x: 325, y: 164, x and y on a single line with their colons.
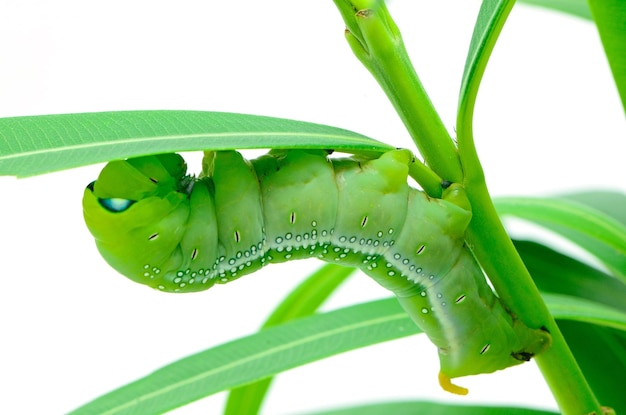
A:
x: 176, y: 233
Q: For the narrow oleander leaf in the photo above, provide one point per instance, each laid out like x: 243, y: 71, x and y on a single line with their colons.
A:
x: 589, y: 228
x: 598, y: 348
x: 600, y: 353
x: 255, y: 357
x: 274, y: 350
x: 491, y: 18
x: 40, y: 144
x: 610, y: 19
x: 571, y: 308
x: 578, y: 8
x: 430, y: 408
x: 610, y: 203
x: 303, y: 301
x: 556, y: 273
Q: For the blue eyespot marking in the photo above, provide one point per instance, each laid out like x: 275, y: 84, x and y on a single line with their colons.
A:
x: 115, y: 204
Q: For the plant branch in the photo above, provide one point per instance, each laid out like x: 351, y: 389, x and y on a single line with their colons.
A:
x: 377, y: 43
x: 490, y: 242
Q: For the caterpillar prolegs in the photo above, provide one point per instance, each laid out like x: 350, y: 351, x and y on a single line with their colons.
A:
x: 176, y: 233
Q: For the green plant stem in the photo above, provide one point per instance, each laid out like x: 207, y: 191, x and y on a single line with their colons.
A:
x: 377, y: 43
x: 426, y: 178
x: 490, y: 242
x: 496, y: 253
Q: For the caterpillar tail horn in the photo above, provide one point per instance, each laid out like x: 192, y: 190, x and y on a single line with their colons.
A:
x: 446, y: 384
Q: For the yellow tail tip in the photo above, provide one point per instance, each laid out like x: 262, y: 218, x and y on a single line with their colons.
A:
x: 448, y: 386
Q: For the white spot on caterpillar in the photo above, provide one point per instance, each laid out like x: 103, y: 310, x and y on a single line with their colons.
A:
x: 314, y: 223
x: 424, y: 310
x: 288, y: 236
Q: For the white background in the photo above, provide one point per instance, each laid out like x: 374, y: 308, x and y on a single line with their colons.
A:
x: 548, y: 120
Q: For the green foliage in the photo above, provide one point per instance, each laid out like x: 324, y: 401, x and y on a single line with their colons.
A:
x: 42, y: 144
x: 431, y: 408
x: 582, y: 302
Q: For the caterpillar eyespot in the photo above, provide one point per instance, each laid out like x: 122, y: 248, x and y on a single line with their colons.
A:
x: 114, y: 204
x: 160, y: 227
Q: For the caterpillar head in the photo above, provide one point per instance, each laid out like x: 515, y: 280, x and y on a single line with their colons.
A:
x: 137, y: 210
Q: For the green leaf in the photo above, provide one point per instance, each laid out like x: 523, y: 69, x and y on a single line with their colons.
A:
x: 430, y: 408
x: 255, y: 357
x: 607, y: 202
x: 601, y: 354
x: 589, y: 228
x: 610, y: 18
x: 600, y: 351
x: 491, y: 18
x: 307, y: 297
x: 566, y: 307
x: 271, y: 351
x: 303, y: 301
x: 554, y: 272
x: 578, y: 8
x: 41, y: 144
